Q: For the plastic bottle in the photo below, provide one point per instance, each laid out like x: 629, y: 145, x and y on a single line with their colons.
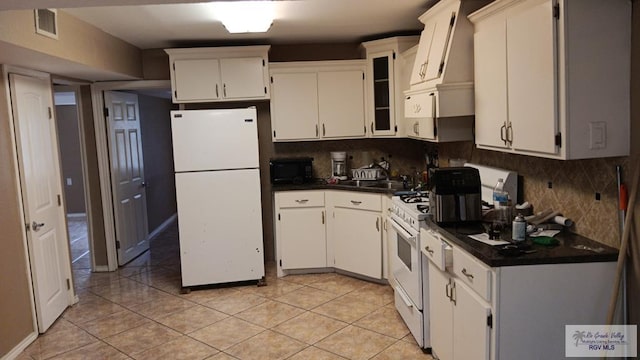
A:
x: 501, y: 204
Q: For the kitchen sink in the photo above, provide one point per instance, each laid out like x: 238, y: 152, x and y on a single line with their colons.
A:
x: 380, y: 184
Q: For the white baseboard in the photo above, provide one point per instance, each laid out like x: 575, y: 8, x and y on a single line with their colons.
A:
x: 163, y: 226
x: 76, y: 215
x: 101, y: 268
x: 16, y: 351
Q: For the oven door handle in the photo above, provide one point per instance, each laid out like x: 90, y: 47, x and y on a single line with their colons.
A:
x: 404, y: 297
x: 404, y: 233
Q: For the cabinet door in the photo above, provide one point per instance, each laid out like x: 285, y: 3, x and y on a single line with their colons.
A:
x: 357, y: 239
x: 490, y: 62
x: 470, y: 325
x: 532, y: 84
x: 382, y: 94
x: 301, y: 237
x: 294, y: 106
x: 196, y: 80
x: 420, y: 65
x: 443, y: 27
x: 341, y: 103
x: 243, y: 78
x: 440, y: 313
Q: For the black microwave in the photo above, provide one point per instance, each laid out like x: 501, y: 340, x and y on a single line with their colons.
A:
x: 291, y: 170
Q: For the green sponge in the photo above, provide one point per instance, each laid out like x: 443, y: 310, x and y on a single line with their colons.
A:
x: 545, y: 240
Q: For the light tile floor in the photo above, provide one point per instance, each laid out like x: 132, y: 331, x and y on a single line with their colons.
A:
x: 138, y: 312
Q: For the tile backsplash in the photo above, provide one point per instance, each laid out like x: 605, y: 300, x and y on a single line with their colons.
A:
x: 571, y: 187
x: 405, y: 156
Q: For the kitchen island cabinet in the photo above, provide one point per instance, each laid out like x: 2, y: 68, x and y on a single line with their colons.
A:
x: 517, y: 307
x: 219, y: 74
x: 315, y: 100
x: 558, y: 69
x: 300, y: 228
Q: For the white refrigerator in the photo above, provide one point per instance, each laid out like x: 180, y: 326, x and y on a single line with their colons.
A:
x: 218, y: 195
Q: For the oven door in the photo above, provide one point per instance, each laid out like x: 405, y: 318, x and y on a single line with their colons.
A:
x: 407, y: 269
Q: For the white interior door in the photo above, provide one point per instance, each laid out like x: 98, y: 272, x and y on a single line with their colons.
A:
x: 127, y: 175
x: 41, y: 196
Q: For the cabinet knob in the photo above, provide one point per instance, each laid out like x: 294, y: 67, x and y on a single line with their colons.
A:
x: 427, y: 249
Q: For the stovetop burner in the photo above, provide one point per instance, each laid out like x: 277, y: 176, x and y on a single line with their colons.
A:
x: 418, y: 197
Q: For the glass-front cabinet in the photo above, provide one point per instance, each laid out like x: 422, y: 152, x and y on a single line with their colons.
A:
x: 387, y: 78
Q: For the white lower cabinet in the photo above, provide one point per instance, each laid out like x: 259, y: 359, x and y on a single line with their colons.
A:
x: 355, y: 229
x: 508, y: 312
x: 460, y: 319
x: 318, y: 229
x: 300, y: 220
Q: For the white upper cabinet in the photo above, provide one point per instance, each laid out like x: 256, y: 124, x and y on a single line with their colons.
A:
x: 219, y: 74
x: 552, y: 77
x: 445, y: 50
x: 439, y: 105
x: 318, y: 100
x: 387, y: 78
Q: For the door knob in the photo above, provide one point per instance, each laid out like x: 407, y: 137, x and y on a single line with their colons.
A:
x: 36, y: 226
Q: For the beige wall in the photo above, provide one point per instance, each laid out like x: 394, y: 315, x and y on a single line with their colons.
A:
x: 16, y: 320
x: 78, y: 42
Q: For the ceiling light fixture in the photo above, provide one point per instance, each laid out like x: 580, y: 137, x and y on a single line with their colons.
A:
x: 244, y: 16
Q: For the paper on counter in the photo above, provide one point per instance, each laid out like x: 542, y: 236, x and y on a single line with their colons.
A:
x: 484, y: 237
x: 549, y: 233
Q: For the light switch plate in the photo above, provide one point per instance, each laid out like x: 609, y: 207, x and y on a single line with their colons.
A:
x: 597, y: 135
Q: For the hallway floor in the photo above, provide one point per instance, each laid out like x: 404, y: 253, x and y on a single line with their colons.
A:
x: 138, y: 312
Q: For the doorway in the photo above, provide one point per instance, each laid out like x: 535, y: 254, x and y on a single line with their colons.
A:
x: 71, y: 150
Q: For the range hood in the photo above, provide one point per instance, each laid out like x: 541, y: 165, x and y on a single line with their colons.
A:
x: 443, y: 71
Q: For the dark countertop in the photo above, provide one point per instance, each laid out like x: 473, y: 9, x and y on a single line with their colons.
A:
x: 320, y: 184
x: 558, y: 254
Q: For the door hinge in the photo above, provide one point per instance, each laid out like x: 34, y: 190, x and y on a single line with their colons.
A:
x: 50, y: 113
x: 280, y: 262
x: 263, y: 63
x: 278, y: 217
x: 394, y: 55
x: 68, y: 284
x: 59, y: 200
x: 105, y: 111
x: 272, y: 79
x: 274, y: 133
x: 117, y: 244
x: 440, y: 69
x: 265, y: 90
x: 558, y: 139
x: 490, y: 321
x: 174, y: 66
x: 362, y: 76
x: 556, y: 11
x: 395, y: 128
x: 175, y: 94
x: 453, y: 20
x: 365, y: 129
x: 435, y: 129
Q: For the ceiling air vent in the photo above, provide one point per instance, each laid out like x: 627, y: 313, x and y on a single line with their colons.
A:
x: 47, y: 22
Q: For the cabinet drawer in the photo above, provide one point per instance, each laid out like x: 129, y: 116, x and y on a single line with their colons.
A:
x: 361, y: 201
x: 420, y: 105
x: 287, y: 199
x: 436, y: 250
x: 472, y: 272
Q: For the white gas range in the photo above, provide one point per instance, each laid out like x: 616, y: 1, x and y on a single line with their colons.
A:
x: 409, y: 270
